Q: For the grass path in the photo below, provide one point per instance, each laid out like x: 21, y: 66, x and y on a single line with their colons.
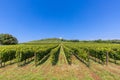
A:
x: 62, y: 57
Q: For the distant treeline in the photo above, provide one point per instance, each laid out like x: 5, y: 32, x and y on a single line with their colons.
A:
x: 70, y: 40
x: 97, y: 41
x: 107, y: 41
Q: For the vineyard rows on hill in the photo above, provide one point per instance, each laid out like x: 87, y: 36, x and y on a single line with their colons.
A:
x: 22, y: 54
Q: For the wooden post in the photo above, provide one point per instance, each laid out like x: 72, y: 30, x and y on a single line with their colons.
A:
x: 107, y: 58
x: 88, y: 60
x: 95, y: 57
x: 1, y: 63
x: 115, y: 59
x: 35, y: 59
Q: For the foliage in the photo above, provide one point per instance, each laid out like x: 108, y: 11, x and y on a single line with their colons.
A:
x: 7, y: 39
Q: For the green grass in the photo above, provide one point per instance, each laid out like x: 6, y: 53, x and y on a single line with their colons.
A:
x: 104, y: 72
x: 76, y: 71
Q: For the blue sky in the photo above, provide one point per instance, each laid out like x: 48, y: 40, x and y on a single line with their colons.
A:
x: 71, y: 19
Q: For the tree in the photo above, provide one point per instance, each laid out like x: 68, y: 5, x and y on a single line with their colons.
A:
x: 7, y: 39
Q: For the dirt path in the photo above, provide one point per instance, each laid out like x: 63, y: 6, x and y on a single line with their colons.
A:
x: 62, y: 58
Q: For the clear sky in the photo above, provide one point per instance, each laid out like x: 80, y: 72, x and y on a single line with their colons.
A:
x: 71, y: 19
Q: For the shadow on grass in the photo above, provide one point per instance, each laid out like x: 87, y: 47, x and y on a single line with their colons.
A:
x: 21, y: 64
x: 55, y: 58
x: 117, y: 62
x: 4, y: 64
x: 43, y: 60
x: 97, y: 60
x: 83, y: 61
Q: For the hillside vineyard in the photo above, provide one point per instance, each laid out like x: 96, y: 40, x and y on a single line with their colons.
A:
x: 22, y: 54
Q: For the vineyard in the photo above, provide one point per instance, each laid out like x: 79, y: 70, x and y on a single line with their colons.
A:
x: 98, y: 52
x: 61, y: 53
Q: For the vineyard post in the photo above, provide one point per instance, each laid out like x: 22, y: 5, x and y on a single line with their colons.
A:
x: 95, y: 57
x: 35, y: 58
x: 0, y: 63
x: 107, y: 58
x: 10, y: 60
x: 18, y: 59
x: 88, y: 60
x: 115, y: 59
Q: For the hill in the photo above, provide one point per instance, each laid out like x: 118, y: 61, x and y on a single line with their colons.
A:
x: 51, y: 40
x: 47, y: 40
x: 58, y: 40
